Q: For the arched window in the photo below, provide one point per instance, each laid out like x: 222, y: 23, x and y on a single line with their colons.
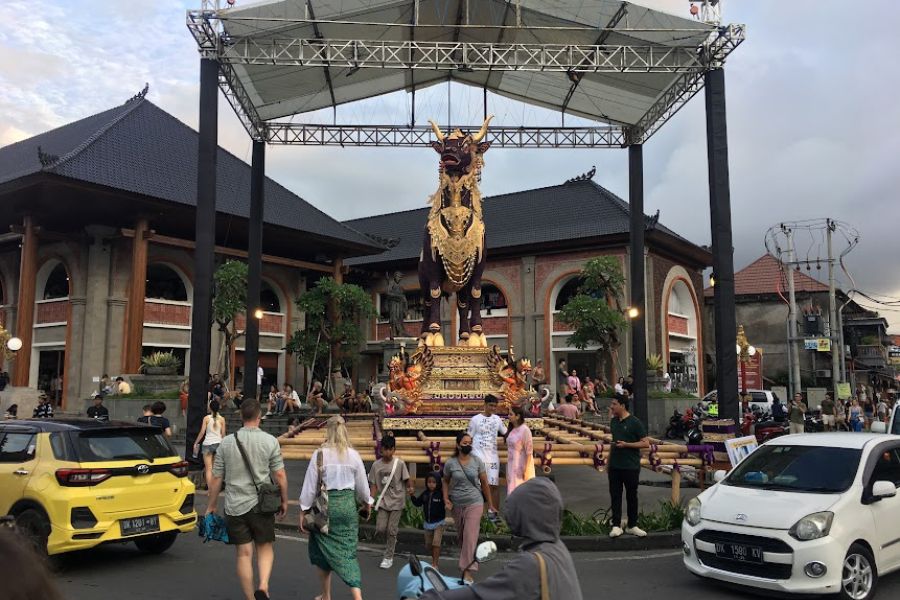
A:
x: 566, y: 293
x: 268, y: 299
x: 164, y: 283
x: 57, y: 285
x: 493, y: 302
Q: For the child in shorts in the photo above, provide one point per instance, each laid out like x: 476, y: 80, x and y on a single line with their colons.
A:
x: 432, y: 503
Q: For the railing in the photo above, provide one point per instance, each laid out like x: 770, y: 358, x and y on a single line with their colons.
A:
x: 167, y: 313
x: 52, y: 312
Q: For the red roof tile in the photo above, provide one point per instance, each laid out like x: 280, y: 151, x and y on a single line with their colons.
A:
x: 764, y: 276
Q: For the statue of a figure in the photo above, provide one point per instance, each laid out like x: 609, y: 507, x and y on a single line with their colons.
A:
x: 395, y: 302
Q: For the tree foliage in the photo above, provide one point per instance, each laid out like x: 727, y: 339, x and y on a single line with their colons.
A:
x: 595, y: 312
x: 229, y: 300
x: 333, y: 331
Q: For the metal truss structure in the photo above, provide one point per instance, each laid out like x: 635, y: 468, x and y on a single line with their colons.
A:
x: 689, y: 62
x: 400, y: 136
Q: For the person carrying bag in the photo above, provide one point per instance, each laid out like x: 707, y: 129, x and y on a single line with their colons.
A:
x: 268, y: 493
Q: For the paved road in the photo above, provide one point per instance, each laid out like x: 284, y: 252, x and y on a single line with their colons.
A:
x: 192, y: 570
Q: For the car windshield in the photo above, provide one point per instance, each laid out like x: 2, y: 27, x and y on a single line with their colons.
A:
x: 127, y: 444
x: 815, y: 469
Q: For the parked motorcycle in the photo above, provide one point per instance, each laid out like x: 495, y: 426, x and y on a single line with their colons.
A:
x: 418, y: 577
x: 676, y: 428
x: 760, y: 424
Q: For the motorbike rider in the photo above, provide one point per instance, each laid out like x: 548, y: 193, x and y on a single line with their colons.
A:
x: 533, y: 512
x: 778, y: 413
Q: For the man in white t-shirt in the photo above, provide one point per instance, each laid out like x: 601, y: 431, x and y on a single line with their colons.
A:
x: 484, y: 429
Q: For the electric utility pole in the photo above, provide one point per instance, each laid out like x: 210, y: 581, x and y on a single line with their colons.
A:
x: 833, y: 332
x: 796, y: 382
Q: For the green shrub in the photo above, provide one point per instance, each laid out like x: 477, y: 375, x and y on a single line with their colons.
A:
x: 160, y: 360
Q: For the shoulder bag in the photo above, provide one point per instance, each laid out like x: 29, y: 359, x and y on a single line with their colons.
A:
x: 268, y: 493
x: 385, y: 487
x: 316, y: 519
x: 545, y: 586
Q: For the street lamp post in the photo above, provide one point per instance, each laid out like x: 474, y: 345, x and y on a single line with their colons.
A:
x: 744, y: 352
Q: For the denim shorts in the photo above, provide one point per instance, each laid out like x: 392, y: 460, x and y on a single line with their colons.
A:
x: 210, y: 449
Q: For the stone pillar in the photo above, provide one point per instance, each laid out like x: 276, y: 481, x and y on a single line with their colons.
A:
x: 25, y: 314
x: 95, y: 310
x: 532, y: 337
x: 134, y: 329
x: 74, y: 379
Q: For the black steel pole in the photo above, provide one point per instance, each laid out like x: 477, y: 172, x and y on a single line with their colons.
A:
x: 254, y: 261
x: 204, y: 251
x: 722, y: 246
x: 638, y: 323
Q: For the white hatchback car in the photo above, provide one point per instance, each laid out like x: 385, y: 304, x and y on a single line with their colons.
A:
x: 806, y: 514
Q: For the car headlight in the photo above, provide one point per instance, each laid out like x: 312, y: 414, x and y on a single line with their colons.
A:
x: 812, y: 527
x: 692, y: 514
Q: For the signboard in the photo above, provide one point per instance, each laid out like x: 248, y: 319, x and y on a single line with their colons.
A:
x: 740, y: 448
x: 843, y: 390
x: 894, y: 355
x: 824, y: 345
x: 810, y: 344
x: 754, y: 371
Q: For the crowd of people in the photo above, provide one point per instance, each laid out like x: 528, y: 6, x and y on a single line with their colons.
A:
x: 856, y: 413
x: 465, y: 487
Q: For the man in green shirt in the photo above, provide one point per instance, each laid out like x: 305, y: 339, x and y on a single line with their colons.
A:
x: 828, y: 412
x: 797, y: 414
x: 629, y: 435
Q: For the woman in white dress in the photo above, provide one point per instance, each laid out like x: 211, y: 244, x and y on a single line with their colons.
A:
x: 484, y: 429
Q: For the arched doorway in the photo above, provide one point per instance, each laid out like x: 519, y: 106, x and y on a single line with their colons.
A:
x: 681, y: 335
x: 51, y: 324
x: 272, y: 339
x: 167, y: 313
x: 587, y: 362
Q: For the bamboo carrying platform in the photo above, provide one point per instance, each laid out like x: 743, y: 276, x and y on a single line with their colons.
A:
x: 557, y: 442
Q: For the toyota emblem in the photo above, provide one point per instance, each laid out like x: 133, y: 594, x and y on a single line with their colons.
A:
x: 143, y: 469
x: 737, y: 517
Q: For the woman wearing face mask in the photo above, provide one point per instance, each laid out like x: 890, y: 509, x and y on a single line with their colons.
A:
x: 466, y: 490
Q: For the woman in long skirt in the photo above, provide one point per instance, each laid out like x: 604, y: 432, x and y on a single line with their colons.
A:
x: 520, y: 450
x: 345, y: 478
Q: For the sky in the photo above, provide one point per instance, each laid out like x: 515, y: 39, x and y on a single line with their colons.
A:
x: 813, y: 121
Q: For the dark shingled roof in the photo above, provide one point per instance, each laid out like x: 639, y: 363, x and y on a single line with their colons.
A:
x: 140, y: 148
x: 577, y: 209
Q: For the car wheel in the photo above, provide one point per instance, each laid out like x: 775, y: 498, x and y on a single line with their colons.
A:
x: 156, y: 544
x: 859, y: 575
x: 35, y: 525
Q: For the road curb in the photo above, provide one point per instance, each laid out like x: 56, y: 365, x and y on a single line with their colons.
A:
x: 411, y: 540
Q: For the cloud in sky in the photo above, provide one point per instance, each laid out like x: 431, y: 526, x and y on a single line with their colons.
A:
x: 812, y: 119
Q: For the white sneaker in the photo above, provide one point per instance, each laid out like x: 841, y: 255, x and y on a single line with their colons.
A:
x: 637, y: 531
x: 387, y: 563
x: 616, y: 532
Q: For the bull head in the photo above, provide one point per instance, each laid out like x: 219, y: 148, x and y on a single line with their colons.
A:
x: 458, y: 150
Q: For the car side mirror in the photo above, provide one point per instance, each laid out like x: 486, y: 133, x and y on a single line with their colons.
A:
x: 883, y: 489
x: 878, y: 427
x: 487, y: 551
x: 719, y: 475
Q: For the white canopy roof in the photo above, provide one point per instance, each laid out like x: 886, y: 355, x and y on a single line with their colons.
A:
x: 277, y: 89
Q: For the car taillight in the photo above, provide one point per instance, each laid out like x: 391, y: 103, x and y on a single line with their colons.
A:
x: 82, y: 477
x: 180, y: 469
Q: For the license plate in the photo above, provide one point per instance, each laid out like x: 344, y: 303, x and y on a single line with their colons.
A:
x: 138, y: 525
x: 739, y: 552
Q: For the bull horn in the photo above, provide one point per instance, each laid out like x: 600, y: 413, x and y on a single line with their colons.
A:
x: 480, y: 135
x: 437, y: 131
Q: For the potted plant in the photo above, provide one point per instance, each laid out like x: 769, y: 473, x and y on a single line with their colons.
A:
x: 160, y: 363
x: 655, y: 363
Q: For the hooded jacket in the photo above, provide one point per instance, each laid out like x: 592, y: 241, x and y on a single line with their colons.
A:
x: 533, y: 512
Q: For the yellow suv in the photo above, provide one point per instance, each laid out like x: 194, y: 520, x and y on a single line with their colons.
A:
x: 73, y: 484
